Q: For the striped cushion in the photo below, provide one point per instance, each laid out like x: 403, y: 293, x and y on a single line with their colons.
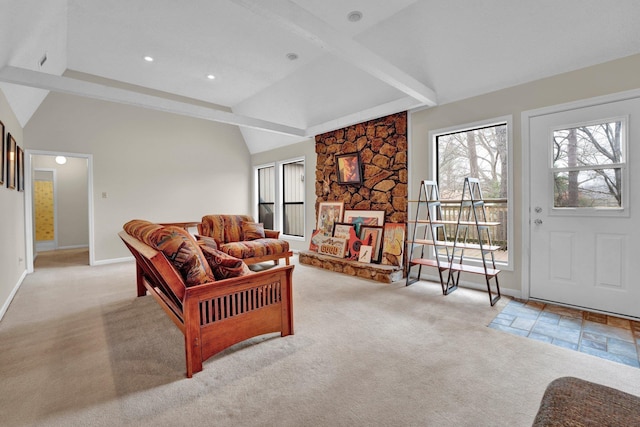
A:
x: 252, y: 230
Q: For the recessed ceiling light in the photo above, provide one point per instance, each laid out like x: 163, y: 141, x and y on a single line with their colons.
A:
x: 211, y: 76
x: 148, y: 58
x: 354, y: 16
x: 292, y: 56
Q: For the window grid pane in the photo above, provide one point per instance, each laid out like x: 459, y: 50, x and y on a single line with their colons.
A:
x: 587, y: 166
x: 293, y: 198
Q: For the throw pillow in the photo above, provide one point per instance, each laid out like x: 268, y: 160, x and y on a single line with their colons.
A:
x: 224, y: 266
x: 252, y: 230
x: 206, y: 241
x: 184, y: 253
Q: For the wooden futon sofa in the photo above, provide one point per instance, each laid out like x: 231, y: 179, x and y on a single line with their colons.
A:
x: 212, y: 314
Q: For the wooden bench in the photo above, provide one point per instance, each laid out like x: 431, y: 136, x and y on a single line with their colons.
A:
x: 216, y: 315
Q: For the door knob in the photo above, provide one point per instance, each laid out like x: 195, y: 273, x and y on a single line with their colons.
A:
x: 537, y: 221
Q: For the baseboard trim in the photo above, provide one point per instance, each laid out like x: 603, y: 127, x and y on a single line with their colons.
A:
x: 113, y: 260
x: 13, y: 293
x: 73, y: 247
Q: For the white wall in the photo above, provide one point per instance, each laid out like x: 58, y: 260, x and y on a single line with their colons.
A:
x: 72, y: 202
x: 151, y: 165
x: 12, y: 231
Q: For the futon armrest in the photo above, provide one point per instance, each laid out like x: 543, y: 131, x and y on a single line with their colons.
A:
x: 271, y: 234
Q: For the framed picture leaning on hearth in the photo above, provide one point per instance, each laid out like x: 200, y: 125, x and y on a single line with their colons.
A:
x: 363, y: 217
x: 348, y: 168
x: 372, y: 235
x: 328, y: 214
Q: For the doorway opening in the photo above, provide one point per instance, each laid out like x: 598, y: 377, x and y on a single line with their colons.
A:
x: 58, y: 209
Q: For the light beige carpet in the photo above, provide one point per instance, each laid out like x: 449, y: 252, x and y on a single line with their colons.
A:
x: 79, y: 349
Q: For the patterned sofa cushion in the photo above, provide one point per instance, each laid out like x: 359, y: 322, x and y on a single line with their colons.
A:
x: 233, y: 227
x: 141, y: 229
x: 183, y: 252
x: 224, y: 266
x: 252, y: 230
x: 255, y: 248
x: 212, y: 226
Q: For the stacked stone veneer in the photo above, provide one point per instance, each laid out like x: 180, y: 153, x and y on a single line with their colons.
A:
x: 382, y: 144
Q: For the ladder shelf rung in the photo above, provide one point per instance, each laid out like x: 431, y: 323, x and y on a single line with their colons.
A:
x: 474, y: 269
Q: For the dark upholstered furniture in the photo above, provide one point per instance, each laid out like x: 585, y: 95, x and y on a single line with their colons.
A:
x: 570, y: 401
x: 214, y: 299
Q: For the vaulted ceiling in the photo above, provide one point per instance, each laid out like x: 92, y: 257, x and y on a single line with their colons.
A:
x: 401, y: 55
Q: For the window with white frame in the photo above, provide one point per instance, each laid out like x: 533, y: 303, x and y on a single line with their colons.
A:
x: 588, y: 165
x: 478, y: 151
x: 280, y: 196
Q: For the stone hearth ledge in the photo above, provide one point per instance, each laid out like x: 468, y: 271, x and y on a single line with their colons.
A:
x: 377, y: 272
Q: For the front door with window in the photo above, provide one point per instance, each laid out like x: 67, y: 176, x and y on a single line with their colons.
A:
x: 584, y: 230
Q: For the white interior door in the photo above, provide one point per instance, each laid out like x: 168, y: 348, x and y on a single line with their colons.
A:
x: 584, y: 234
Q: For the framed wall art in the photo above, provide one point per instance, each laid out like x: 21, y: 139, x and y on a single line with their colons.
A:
x: 342, y: 230
x: 2, y: 154
x: 20, y: 168
x: 362, y: 217
x: 11, y: 161
x: 328, y: 214
x: 393, y: 244
x: 348, y: 168
x: 372, y: 235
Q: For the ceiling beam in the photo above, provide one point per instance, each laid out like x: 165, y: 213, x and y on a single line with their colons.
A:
x: 298, y: 20
x: 40, y: 80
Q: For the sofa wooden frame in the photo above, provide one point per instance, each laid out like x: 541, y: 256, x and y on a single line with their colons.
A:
x: 216, y: 315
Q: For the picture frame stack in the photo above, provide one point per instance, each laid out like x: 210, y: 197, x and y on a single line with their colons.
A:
x: 362, y: 232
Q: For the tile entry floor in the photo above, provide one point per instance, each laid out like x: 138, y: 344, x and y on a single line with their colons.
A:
x: 609, y: 337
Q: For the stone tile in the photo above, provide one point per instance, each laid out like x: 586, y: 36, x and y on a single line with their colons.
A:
x: 509, y: 329
x: 608, y: 331
x: 563, y: 311
x: 622, y: 348
x: 535, y: 305
x: 522, y: 323
x: 618, y: 322
x: 547, y: 317
x: 559, y: 332
x: 521, y: 311
x: 592, y: 336
x: 539, y: 337
x: 564, y: 344
x: 594, y: 344
x: 595, y: 317
x: 611, y: 356
x: 570, y: 322
x: 502, y: 321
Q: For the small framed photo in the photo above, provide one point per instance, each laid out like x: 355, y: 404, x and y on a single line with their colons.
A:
x: 342, y: 230
x: 328, y: 214
x: 372, y: 235
x: 11, y: 161
x: 2, y: 154
x: 349, y: 170
x: 365, y: 254
x: 20, y: 168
